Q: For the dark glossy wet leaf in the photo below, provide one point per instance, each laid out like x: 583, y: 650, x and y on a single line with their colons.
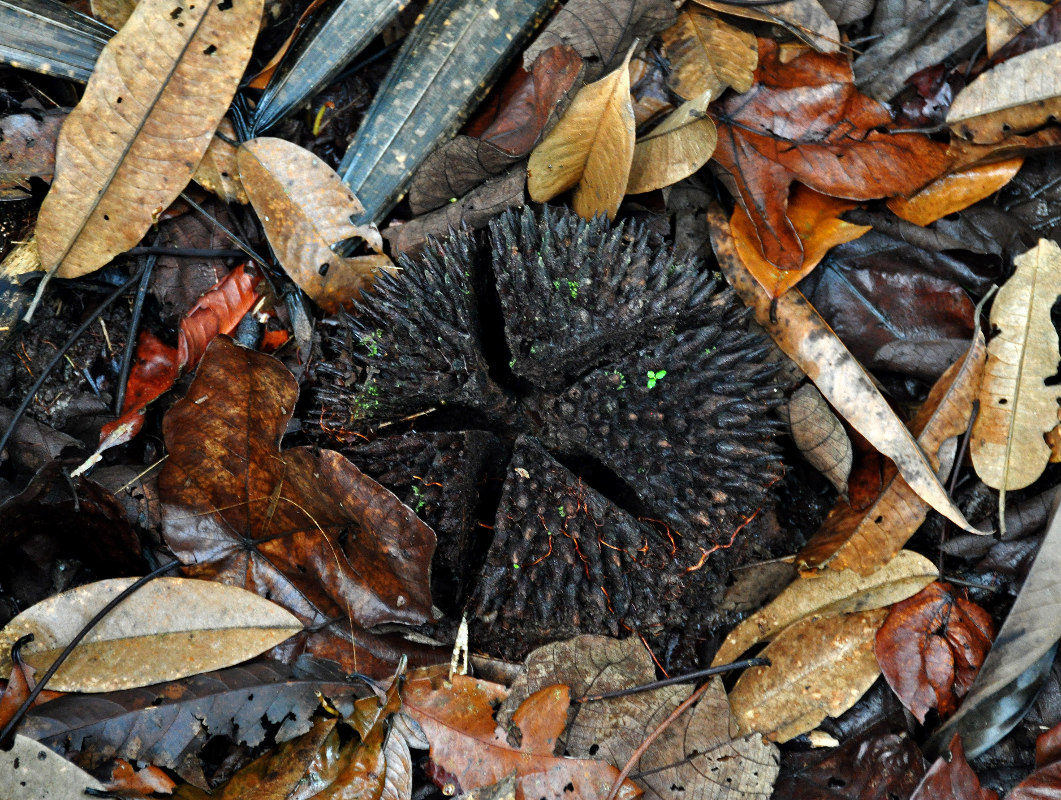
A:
x: 50, y: 37
x: 334, y: 36
x: 445, y: 66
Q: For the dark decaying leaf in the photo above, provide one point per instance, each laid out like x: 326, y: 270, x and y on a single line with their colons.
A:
x: 1020, y: 658
x: 952, y: 779
x: 48, y: 36
x: 1045, y: 31
x: 1045, y: 782
x: 306, y: 529
x: 168, y: 724
x: 454, y: 170
x: 930, y: 648
x: 602, y: 31
x: 334, y: 35
x: 446, y: 65
x: 27, y: 147
x: 804, y: 120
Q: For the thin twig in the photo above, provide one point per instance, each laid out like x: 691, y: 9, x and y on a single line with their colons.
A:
x: 187, y: 252
x: 692, y: 676
x: 134, y: 325
x: 246, y: 248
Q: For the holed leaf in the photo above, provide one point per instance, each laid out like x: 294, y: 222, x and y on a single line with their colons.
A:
x: 305, y: 528
x: 148, y: 114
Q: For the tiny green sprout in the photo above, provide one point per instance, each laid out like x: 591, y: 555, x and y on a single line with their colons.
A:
x: 370, y: 341
x: 556, y: 284
x: 572, y: 286
x: 622, y: 380
x: 562, y: 510
x: 515, y: 565
x: 420, y: 500
x: 653, y: 377
x: 710, y: 350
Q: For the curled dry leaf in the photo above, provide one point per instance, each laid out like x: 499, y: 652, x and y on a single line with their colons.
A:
x: 591, y: 147
x: 830, y: 592
x: 802, y: 334
x: 143, y: 124
x: 930, y: 648
x: 804, y: 18
x: 955, y: 191
x: 167, y: 629
x: 458, y: 720
x: 674, y: 149
x: 864, y: 538
x: 820, y: 667
x: 305, y: 209
x: 1016, y: 405
x: 1016, y: 96
x: 819, y: 435
x: 815, y: 217
x: 305, y: 527
x: 707, y: 55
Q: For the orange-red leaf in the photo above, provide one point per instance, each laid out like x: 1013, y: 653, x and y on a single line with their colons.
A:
x: 218, y: 311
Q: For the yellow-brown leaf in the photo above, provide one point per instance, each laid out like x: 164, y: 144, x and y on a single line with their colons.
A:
x: 674, y: 149
x: 955, y: 191
x: 707, y: 55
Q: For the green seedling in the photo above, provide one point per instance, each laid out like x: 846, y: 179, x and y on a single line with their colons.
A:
x: 654, y: 377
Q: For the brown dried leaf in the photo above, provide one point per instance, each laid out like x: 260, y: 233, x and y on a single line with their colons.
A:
x: 819, y: 668
x: 167, y: 629
x: 113, y: 12
x: 952, y: 779
x: 707, y: 55
x: 144, y: 123
x: 819, y: 435
x: 1007, y: 18
x: 305, y: 209
x: 800, y: 331
x: 453, y: 170
x: 862, y: 539
x: 827, y: 593
x: 804, y: 18
x: 674, y: 149
x: 955, y: 191
x: 1016, y: 405
x: 27, y: 147
x: 1016, y: 96
x: 591, y: 147
x: 218, y: 172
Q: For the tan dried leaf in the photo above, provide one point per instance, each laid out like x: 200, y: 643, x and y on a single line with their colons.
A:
x: 707, y: 55
x: 591, y: 147
x: 1007, y: 18
x: 819, y: 435
x: 169, y: 628
x: 144, y: 123
x: 806, y: 338
x: 804, y: 18
x: 305, y: 209
x: 820, y: 667
x: 828, y: 593
x: 674, y: 149
x: 30, y: 771
x: 217, y: 172
x: 864, y: 539
x: 113, y: 12
x: 1016, y: 405
x: 1016, y: 96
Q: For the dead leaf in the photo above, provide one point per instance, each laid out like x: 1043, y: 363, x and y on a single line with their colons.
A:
x: 804, y: 18
x: 126, y: 780
x: 707, y: 55
x: 1013, y: 97
x: 305, y: 208
x: 454, y: 169
x: 591, y: 147
x: 1007, y: 18
x: 236, y: 509
x: 602, y: 31
x: 827, y: 593
x: 819, y: 436
x: 930, y: 648
x: 674, y: 149
x: 808, y: 341
x: 952, y: 779
x: 167, y: 629
x: 819, y: 668
x: 865, y: 537
x: 816, y: 220
x: 113, y: 12
x: 1016, y: 405
x: 955, y: 191
x: 27, y: 146
x: 217, y: 172
x: 1043, y: 32
x: 466, y: 743
x: 143, y: 124
x: 805, y: 121
x: 30, y: 771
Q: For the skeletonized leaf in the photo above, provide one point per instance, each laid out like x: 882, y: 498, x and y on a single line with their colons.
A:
x: 305, y: 209
x: 145, y: 121
x: 804, y: 18
x: 30, y: 771
x: 707, y: 55
x: 167, y: 629
x: 806, y: 338
x: 674, y: 149
x: 819, y: 668
x: 1016, y: 405
x: 830, y: 592
x: 819, y: 435
x: 592, y: 147
x: 1015, y: 96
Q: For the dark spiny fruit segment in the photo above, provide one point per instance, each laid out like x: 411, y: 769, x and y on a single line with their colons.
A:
x: 631, y: 368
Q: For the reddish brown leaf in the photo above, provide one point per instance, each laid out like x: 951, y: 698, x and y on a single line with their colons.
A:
x: 19, y: 685
x: 805, y: 121
x: 27, y: 146
x: 154, y: 371
x: 952, y: 780
x: 931, y: 647
x: 127, y: 780
x: 305, y: 528
x: 218, y: 311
